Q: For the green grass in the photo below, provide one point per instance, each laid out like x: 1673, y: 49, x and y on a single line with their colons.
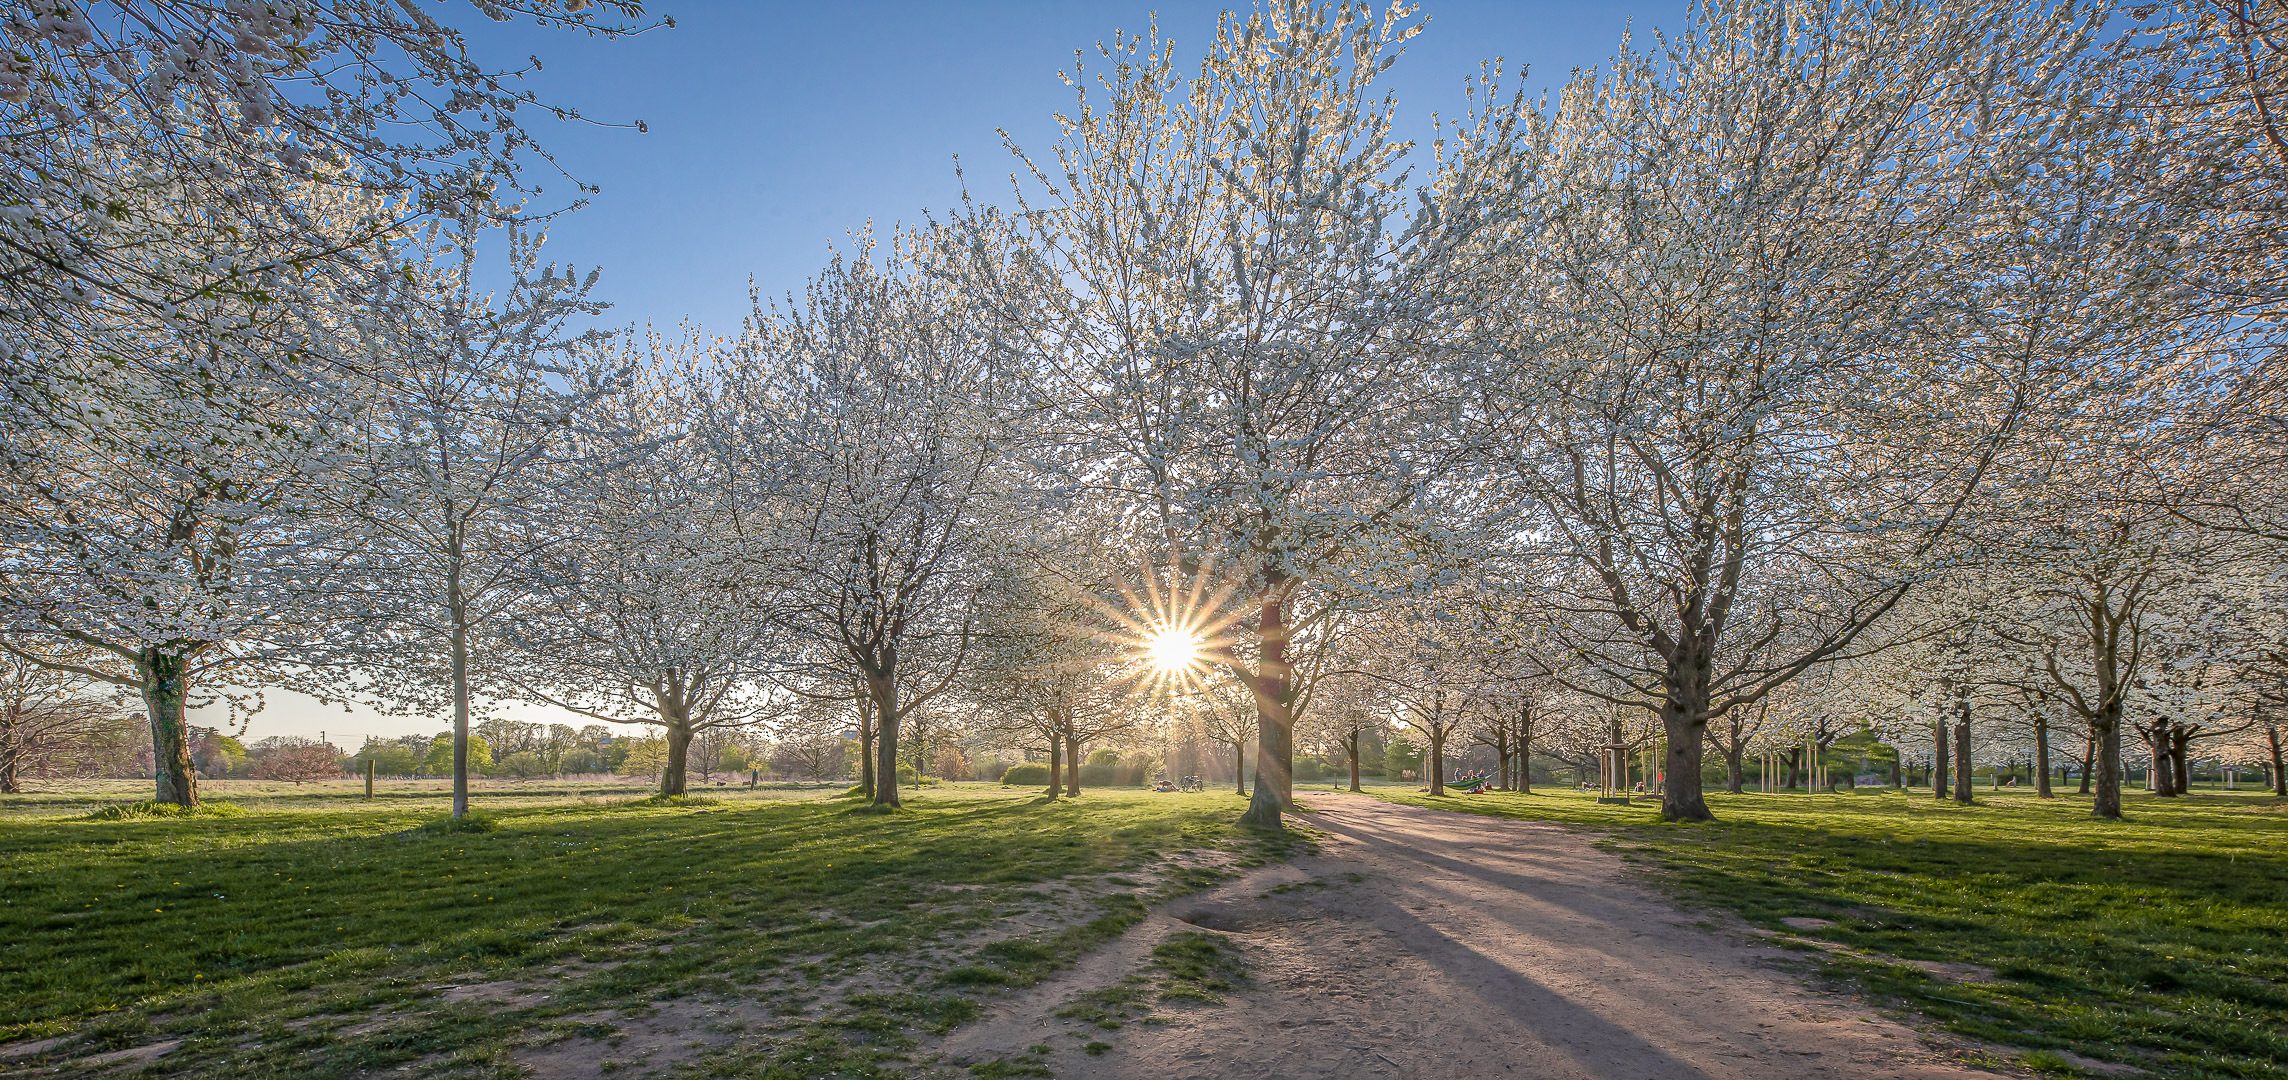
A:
x: 313, y: 921
x: 2160, y: 942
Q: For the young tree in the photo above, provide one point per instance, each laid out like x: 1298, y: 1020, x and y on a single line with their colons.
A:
x: 464, y: 440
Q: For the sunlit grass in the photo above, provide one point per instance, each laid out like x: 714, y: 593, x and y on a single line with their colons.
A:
x: 316, y: 922
x: 2161, y: 941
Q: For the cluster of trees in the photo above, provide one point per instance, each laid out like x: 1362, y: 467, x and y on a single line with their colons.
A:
x: 1878, y: 365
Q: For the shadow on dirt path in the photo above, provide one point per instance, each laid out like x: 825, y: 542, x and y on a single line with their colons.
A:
x: 1422, y: 943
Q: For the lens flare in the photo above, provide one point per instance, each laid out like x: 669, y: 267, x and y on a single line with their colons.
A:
x: 1173, y: 649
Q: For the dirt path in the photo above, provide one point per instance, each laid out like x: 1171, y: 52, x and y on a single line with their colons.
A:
x: 1428, y: 944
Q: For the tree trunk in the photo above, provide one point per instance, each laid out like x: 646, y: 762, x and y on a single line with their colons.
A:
x: 1353, y: 743
x: 1684, y: 719
x: 2105, y: 731
x: 883, y: 688
x: 2042, y: 760
x: 2181, y: 757
x: 1274, y: 747
x: 2088, y: 760
x: 2279, y: 772
x: 1239, y: 766
x: 671, y: 778
x: 166, y: 687
x: 2160, y: 774
x: 1525, y: 759
x: 1437, y: 761
x: 865, y: 740
x: 11, y: 753
x: 1734, y: 770
x: 1056, y: 783
x: 1939, y: 767
x: 671, y: 698
x: 457, y: 610
x: 1962, y: 792
x: 1072, y: 765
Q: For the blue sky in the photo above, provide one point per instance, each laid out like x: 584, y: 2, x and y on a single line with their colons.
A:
x: 776, y: 129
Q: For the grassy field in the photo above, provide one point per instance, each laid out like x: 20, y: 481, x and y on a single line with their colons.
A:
x: 2159, y: 942
x: 313, y: 934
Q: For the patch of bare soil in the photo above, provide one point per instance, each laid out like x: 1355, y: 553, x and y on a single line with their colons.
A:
x: 677, y: 1035
x: 137, y: 1055
x: 1419, y: 943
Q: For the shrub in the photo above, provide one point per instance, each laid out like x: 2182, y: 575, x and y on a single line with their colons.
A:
x: 1029, y: 774
x: 906, y: 775
x: 951, y: 764
x: 472, y: 823
x: 993, y: 770
x: 1097, y: 775
x: 149, y: 809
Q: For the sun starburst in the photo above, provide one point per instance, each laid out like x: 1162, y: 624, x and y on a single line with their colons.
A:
x: 1170, y: 620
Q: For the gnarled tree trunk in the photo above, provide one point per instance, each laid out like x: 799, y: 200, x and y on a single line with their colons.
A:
x: 166, y: 688
x: 1684, y: 719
